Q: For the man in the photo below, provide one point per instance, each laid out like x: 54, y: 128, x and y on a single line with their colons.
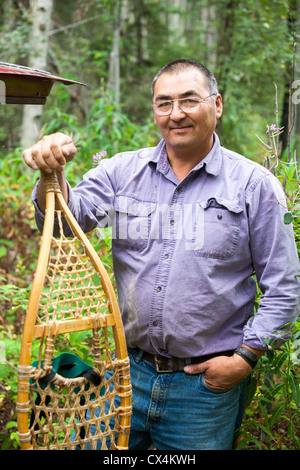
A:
x: 192, y: 222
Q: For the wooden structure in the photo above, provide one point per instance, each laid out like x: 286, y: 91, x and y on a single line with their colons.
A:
x: 24, y: 85
x: 72, y: 292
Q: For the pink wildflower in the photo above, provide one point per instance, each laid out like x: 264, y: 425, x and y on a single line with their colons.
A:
x: 98, y: 156
x: 272, y: 128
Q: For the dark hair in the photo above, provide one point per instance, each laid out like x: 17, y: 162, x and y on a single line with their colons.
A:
x: 180, y: 65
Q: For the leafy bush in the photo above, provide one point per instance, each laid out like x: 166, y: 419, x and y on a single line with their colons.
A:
x: 106, y: 129
x: 272, y: 414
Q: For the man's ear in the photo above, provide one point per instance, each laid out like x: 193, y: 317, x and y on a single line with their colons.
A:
x: 219, y: 106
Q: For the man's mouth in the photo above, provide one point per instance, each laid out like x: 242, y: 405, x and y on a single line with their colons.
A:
x: 179, y: 128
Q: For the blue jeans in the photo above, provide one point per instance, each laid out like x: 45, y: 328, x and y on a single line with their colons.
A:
x: 177, y: 411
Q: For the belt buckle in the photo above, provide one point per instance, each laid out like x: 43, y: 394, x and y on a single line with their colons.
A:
x: 158, y: 369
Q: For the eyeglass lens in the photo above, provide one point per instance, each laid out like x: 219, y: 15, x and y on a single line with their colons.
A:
x: 187, y: 105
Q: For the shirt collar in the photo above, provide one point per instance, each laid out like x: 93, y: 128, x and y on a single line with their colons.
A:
x: 211, y: 163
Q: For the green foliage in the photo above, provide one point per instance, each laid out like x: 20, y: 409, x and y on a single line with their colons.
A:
x: 13, y: 43
x: 14, y: 296
x: 106, y: 129
x: 10, y: 358
x: 272, y: 414
x: 273, y: 399
x: 247, y: 45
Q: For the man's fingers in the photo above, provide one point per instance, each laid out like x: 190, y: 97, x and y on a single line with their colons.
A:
x: 69, y: 151
x: 62, y: 147
x: 50, y: 153
x: 50, y: 156
x: 54, y: 152
x: 43, y: 158
x: 34, y: 158
x: 196, y: 368
x: 29, y: 160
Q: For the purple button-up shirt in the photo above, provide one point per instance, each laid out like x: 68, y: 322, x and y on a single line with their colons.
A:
x: 185, y: 252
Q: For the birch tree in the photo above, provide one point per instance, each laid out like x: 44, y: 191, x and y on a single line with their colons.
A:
x: 121, y: 12
x: 41, y: 22
x: 209, y: 34
x: 120, y: 15
x: 296, y: 96
x: 177, y: 21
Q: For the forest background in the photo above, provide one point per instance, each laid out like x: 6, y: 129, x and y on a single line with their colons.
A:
x: 116, y: 47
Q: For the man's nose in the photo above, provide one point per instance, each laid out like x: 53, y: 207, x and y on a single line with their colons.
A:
x: 176, y: 113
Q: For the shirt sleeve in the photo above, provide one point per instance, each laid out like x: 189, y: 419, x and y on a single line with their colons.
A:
x: 91, y: 201
x: 276, y: 265
x: 40, y: 216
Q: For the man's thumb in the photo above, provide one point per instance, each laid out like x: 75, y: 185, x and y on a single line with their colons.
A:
x: 196, y: 368
x: 69, y: 150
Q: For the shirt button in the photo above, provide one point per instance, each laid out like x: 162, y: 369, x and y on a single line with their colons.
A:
x: 155, y: 323
x: 172, y: 222
x: 179, y: 190
x: 219, y: 216
x: 166, y: 256
x: 158, y: 288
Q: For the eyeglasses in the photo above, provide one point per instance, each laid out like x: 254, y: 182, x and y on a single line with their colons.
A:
x: 187, y: 105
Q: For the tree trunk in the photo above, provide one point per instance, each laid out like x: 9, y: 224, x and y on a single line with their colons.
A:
x: 177, y: 22
x: 227, y: 17
x: 290, y: 119
x: 142, y: 53
x: 41, y: 22
x: 114, y: 62
x: 295, y: 99
x: 209, y: 35
x: 120, y: 17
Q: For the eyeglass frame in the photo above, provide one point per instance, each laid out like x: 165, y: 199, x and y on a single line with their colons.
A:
x: 154, y: 106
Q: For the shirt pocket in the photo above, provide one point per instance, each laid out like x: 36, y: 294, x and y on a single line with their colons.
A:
x: 132, y: 222
x: 217, y: 228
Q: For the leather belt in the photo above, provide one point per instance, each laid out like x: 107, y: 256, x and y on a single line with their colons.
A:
x: 176, y: 364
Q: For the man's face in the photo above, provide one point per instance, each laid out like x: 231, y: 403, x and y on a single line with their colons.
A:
x: 187, y: 131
